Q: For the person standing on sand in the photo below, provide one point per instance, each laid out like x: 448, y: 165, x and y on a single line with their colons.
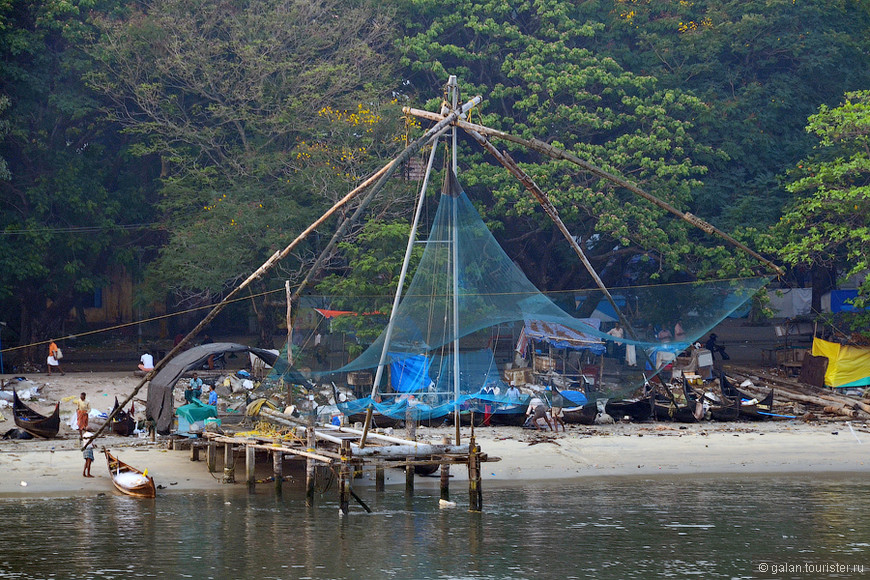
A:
x: 83, y: 407
x: 53, y: 359
x: 212, y: 397
x: 89, y: 458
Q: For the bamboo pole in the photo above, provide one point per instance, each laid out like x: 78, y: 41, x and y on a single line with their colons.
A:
x: 560, y: 154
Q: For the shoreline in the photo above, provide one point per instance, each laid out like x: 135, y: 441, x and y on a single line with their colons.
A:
x: 53, y: 467
x: 622, y: 450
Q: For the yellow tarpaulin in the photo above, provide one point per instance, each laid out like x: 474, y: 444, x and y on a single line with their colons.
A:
x: 848, y: 366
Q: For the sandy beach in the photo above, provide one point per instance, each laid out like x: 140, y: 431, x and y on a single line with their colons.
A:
x: 39, y: 468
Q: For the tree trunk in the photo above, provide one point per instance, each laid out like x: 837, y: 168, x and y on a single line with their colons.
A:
x: 824, y: 279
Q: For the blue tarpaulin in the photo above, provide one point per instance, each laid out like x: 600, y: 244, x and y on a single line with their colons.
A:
x: 410, y: 374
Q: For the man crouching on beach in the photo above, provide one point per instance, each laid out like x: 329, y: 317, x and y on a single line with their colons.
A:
x: 536, y: 411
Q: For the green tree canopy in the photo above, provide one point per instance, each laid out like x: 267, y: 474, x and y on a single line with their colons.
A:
x: 71, y: 201
x: 828, y: 222
x: 536, y: 66
x: 241, y: 100
x: 761, y: 66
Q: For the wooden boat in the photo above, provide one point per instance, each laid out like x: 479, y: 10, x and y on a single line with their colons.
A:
x: 123, y: 423
x: 635, y: 409
x: 685, y: 409
x: 576, y: 409
x: 129, y: 480
x: 34, y: 423
x: 725, y: 410
x: 757, y: 410
x: 582, y: 415
x: 500, y: 414
x: 378, y: 420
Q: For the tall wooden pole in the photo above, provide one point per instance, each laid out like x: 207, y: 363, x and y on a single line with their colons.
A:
x: 453, y: 91
x: 440, y: 127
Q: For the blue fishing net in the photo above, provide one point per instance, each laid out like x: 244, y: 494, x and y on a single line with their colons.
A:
x: 465, y: 285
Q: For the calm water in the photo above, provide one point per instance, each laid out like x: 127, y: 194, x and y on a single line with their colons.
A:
x: 602, y: 528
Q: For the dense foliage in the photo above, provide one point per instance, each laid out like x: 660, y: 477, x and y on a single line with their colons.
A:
x: 185, y: 141
x: 828, y: 222
x: 73, y: 204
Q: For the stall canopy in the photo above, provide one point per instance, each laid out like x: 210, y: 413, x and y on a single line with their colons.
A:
x: 160, y: 399
x: 560, y: 336
x: 848, y: 366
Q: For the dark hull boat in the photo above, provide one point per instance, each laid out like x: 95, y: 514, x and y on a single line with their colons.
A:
x: 584, y: 415
x: 634, y: 409
x: 378, y: 420
x: 762, y: 409
x: 34, y: 423
x: 129, y: 480
x: 667, y: 411
x: 123, y: 423
x: 726, y: 410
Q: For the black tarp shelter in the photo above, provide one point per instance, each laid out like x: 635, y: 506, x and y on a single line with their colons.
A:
x: 160, y: 407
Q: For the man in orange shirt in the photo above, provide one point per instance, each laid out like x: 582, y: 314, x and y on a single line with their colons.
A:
x: 53, y: 359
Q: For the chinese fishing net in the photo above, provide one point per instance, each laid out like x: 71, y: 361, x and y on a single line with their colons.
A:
x: 466, y: 291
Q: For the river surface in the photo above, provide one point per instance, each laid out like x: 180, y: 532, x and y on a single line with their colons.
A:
x: 699, y: 527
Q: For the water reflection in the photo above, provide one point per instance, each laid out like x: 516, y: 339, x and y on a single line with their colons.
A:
x: 613, y: 528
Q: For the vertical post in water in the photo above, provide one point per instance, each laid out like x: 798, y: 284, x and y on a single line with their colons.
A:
x: 278, y: 470
x: 211, y: 456
x: 229, y: 464
x: 475, y: 493
x: 310, y: 464
x: 445, y: 475
x: 379, y: 478
x: 453, y: 91
x: 409, y: 478
x: 344, y: 478
x: 250, y: 466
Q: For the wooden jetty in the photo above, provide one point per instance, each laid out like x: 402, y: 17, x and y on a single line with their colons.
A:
x: 342, y: 451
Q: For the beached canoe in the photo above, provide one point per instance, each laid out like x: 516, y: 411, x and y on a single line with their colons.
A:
x: 34, y: 423
x: 129, y: 480
x: 635, y: 409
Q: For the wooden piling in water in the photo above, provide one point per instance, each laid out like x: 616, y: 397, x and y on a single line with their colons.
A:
x: 310, y: 464
x: 278, y: 469
x: 211, y: 456
x: 409, y: 478
x: 250, y: 466
x: 229, y: 464
x: 475, y: 493
x: 379, y: 478
x: 445, y: 476
x: 344, y: 478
